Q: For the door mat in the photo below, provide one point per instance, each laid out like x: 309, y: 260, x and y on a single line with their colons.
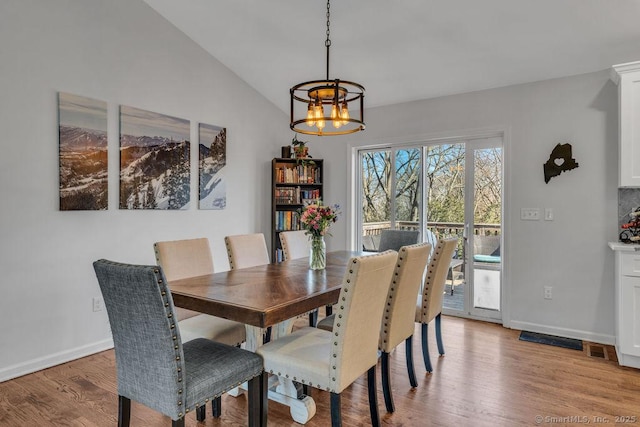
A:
x: 570, y: 343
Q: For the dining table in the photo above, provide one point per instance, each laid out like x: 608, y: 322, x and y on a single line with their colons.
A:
x: 268, y: 296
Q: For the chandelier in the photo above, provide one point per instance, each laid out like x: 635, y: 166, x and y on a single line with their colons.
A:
x: 323, y: 105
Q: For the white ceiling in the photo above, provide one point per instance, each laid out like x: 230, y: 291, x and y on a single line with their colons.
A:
x: 408, y: 50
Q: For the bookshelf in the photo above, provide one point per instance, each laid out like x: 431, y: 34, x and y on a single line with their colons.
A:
x: 294, y: 183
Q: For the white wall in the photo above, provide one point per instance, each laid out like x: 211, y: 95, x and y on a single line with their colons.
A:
x: 569, y: 253
x: 121, y: 52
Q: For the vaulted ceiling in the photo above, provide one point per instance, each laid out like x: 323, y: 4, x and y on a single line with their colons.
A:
x: 407, y: 50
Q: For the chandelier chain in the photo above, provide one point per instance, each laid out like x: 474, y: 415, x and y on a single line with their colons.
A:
x: 327, y: 43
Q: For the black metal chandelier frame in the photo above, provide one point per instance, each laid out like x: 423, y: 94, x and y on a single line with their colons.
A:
x: 335, y: 94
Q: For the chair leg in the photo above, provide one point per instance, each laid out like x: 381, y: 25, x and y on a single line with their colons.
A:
x: 425, y: 347
x: 408, y: 345
x: 313, y: 318
x: 439, y: 335
x: 336, y: 416
x: 451, y: 273
x: 216, y: 406
x: 124, y: 411
x: 177, y: 423
x: 257, y: 393
x: 373, y: 396
x: 328, y: 310
x: 386, y: 385
x: 201, y: 413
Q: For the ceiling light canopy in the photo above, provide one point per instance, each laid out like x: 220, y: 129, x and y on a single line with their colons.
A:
x: 324, y: 105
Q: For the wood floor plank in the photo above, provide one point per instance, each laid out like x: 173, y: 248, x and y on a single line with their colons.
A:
x: 486, y: 378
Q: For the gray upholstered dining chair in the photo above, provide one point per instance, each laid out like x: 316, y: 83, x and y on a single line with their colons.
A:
x: 332, y: 361
x: 429, y: 306
x: 191, y: 258
x: 398, y: 320
x: 154, y: 367
x: 246, y: 250
x: 395, y: 239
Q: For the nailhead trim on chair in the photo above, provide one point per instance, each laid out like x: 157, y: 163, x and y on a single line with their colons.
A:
x: 226, y: 243
x: 165, y: 294
x: 426, y: 293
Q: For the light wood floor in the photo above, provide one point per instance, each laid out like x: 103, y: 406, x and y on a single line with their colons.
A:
x: 487, y: 378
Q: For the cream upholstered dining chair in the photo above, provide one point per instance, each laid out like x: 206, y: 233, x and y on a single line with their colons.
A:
x: 295, y: 244
x: 191, y: 258
x: 154, y: 366
x: 332, y: 361
x: 246, y: 250
x: 398, y: 321
x: 429, y: 305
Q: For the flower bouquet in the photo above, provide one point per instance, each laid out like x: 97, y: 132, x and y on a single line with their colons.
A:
x: 316, y: 219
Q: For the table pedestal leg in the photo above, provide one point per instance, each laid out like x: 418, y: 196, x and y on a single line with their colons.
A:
x: 253, y: 341
x: 281, y: 389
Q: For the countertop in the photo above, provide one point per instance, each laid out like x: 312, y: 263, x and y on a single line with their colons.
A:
x: 624, y: 247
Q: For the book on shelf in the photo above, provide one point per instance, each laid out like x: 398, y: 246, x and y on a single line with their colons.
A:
x: 288, y: 195
x: 287, y: 220
x: 298, y: 174
x: 279, y: 255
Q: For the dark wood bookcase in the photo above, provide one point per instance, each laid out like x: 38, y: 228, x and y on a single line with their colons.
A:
x: 294, y: 183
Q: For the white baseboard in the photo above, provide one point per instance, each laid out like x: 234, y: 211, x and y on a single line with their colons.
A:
x: 563, y: 332
x: 53, y: 359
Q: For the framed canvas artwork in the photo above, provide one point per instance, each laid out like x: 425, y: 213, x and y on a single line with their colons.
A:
x: 82, y: 153
x: 154, y: 160
x: 212, y: 158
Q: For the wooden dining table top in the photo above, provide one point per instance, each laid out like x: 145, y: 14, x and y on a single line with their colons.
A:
x: 264, y: 295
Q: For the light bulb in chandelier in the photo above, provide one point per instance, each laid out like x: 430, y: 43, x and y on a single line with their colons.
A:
x: 319, y: 112
x: 335, y: 116
x: 344, y: 113
x: 311, y: 116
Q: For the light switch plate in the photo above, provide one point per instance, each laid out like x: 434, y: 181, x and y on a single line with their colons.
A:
x: 548, y: 214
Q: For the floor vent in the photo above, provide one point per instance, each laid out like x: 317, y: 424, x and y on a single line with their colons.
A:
x: 596, y: 350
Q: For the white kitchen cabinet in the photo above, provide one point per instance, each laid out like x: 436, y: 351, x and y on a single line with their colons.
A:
x: 627, y: 77
x: 627, y: 303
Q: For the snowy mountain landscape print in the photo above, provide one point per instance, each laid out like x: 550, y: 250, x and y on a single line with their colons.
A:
x: 154, y: 160
x: 83, y: 153
x: 212, y: 157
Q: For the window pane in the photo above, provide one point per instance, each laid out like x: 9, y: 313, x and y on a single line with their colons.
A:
x: 407, y: 192
x: 445, y: 185
x: 376, y: 199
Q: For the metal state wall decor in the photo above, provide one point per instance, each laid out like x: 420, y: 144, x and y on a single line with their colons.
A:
x: 559, y: 161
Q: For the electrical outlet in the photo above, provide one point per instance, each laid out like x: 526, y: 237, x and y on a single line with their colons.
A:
x: 548, y: 292
x: 530, y: 214
x: 98, y: 304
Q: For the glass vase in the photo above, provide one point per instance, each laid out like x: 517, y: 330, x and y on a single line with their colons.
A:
x: 317, y: 253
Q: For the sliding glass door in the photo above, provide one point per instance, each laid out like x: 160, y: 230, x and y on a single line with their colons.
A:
x: 442, y: 189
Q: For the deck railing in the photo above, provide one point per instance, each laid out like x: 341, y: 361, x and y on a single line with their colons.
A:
x: 440, y: 229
